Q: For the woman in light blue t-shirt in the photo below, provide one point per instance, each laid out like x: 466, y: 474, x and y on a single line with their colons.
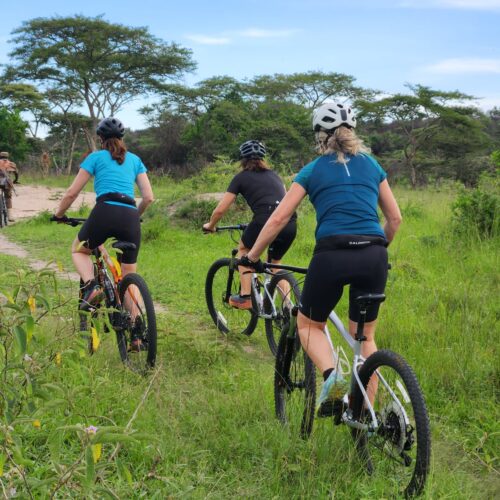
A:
x: 345, y: 185
x: 115, y: 215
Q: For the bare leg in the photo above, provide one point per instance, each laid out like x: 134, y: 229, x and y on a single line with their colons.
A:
x: 82, y: 261
x: 128, y: 268
x: 314, y: 342
x: 368, y: 347
x: 245, y: 272
x: 283, y: 285
x: 132, y: 298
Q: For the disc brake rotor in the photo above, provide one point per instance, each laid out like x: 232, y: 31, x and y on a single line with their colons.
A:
x: 394, y: 427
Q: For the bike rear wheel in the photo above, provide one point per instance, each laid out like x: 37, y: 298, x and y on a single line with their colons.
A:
x: 284, y: 291
x: 136, y: 332
x: 220, y: 284
x: 294, y: 385
x: 399, y: 450
x: 4, y: 219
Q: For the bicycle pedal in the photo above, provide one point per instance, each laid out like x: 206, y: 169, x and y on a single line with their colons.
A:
x: 332, y: 409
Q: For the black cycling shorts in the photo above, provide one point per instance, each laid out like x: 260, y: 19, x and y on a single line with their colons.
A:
x: 113, y: 221
x: 279, y: 247
x: 364, y: 269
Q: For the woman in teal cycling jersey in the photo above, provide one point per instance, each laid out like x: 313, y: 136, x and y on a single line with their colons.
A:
x: 115, y: 171
x: 345, y: 185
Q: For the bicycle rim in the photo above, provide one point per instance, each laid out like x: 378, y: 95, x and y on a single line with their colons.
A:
x: 398, y: 453
x: 295, y: 388
x: 226, y: 318
x: 136, y: 332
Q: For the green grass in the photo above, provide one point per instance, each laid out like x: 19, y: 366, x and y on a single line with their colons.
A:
x: 210, y: 414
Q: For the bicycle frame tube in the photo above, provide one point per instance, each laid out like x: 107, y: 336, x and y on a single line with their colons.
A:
x: 115, y: 271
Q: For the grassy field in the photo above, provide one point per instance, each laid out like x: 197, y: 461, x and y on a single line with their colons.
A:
x: 207, y: 426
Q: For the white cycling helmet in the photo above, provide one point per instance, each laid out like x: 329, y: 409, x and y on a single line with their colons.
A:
x: 331, y: 115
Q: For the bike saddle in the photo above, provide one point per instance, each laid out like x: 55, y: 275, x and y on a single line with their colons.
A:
x: 370, y: 298
x: 124, y: 245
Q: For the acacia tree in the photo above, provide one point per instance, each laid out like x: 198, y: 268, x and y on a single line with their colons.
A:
x: 308, y: 89
x: 106, y: 64
x: 416, y: 117
x: 25, y: 98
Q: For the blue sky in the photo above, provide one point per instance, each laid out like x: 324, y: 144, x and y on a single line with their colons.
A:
x: 447, y: 44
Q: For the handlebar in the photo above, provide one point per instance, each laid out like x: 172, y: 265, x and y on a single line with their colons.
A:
x: 70, y: 221
x: 284, y: 267
x: 236, y: 227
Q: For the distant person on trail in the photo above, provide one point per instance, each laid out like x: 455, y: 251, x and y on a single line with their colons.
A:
x: 115, y: 171
x: 263, y: 190
x: 7, y: 167
x: 344, y: 184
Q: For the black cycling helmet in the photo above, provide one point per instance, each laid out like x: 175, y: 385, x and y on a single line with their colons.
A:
x: 253, y: 150
x: 110, y: 127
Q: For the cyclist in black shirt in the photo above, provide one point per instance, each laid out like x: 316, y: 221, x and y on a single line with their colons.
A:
x: 263, y: 190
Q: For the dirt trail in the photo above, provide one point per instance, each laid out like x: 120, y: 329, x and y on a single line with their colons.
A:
x: 30, y: 201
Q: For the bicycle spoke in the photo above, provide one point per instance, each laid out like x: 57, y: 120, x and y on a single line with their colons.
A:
x: 399, y: 450
x: 136, y: 335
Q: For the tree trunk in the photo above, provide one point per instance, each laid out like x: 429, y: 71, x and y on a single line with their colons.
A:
x: 410, y: 151
x: 70, y: 154
x: 90, y: 138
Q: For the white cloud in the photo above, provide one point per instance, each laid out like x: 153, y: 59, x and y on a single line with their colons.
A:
x: 464, y: 65
x: 489, y: 102
x: 228, y: 37
x: 209, y: 40
x: 454, y: 4
x: 266, y: 33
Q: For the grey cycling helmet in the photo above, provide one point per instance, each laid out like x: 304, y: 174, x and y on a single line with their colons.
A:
x: 252, y: 149
x: 331, y: 115
x: 110, y: 127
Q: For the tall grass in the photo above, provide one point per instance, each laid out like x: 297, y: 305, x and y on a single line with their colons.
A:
x: 210, y: 414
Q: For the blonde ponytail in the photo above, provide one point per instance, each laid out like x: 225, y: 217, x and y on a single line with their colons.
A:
x: 343, y: 141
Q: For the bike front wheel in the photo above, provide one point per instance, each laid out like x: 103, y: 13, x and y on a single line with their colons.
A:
x: 294, y: 385
x: 136, y: 332
x: 222, y: 282
x: 282, y: 294
x: 398, y: 451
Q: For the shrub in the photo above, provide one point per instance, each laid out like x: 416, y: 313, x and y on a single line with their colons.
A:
x: 196, y: 212
x: 475, y: 211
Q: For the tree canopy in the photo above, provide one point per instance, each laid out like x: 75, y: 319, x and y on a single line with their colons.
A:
x: 105, y: 64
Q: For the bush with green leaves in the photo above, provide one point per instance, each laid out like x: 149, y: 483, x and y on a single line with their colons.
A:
x: 47, y: 446
x: 476, y: 211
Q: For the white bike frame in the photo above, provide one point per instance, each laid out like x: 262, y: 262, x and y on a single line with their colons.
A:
x: 358, y: 360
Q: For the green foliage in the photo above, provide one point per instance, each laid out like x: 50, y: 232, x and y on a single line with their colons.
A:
x: 476, y: 211
x: 12, y: 134
x: 45, y: 449
x: 495, y: 158
x: 196, y: 212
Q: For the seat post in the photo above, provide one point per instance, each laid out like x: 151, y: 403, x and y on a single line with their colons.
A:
x: 360, y: 337
x: 364, y: 301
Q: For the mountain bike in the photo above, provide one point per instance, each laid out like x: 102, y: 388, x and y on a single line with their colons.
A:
x: 272, y: 296
x: 127, y: 307
x: 392, y: 435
